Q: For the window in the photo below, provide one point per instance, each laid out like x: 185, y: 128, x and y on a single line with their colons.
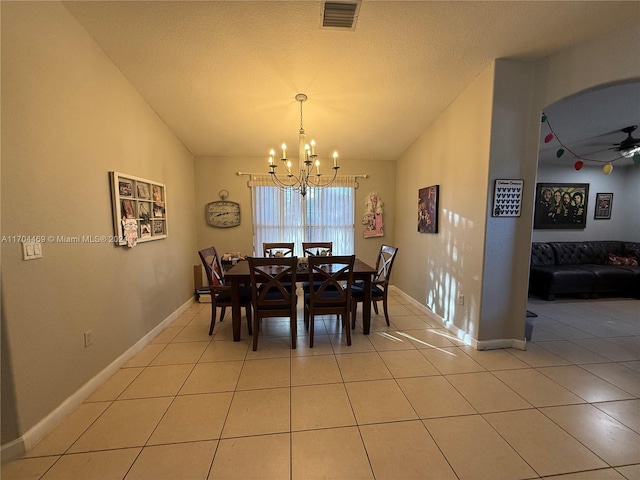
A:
x: 322, y: 215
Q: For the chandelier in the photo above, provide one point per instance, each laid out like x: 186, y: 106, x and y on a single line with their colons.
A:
x: 307, y: 173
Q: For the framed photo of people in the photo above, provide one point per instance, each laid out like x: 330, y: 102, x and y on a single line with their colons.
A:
x: 561, y: 206
x: 604, y: 202
x: 139, y: 209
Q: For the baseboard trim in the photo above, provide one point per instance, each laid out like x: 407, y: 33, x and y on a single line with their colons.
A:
x: 459, y: 333
x: 23, y: 444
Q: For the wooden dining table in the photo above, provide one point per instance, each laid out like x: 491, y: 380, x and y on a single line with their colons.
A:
x: 239, y: 275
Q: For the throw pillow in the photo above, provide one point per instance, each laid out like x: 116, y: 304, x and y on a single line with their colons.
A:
x: 618, y: 260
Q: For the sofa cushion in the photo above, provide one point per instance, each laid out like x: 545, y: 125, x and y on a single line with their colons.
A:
x: 610, y: 278
x: 602, y: 249
x: 574, y: 253
x: 542, y: 255
x: 631, y: 249
x: 547, y: 281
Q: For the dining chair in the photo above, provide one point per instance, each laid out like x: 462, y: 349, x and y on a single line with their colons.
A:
x: 379, y: 284
x: 330, y: 283
x: 278, y: 249
x: 271, y: 292
x: 310, y: 249
x: 220, y: 291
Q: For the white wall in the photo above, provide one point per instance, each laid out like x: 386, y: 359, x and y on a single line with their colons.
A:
x: 629, y: 207
x: 68, y: 118
x: 623, y: 182
x: 514, y: 139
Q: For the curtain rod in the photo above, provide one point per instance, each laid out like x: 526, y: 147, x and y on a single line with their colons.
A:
x: 267, y: 173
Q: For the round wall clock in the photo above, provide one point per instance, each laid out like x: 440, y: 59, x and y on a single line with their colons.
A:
x: 223, y: 214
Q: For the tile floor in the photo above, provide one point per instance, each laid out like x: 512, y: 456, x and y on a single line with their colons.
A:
x: 407, y: 401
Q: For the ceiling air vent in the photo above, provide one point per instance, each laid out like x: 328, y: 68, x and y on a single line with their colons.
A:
x: 340, y: 15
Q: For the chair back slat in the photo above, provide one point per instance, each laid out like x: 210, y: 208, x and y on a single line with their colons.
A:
x: 212, y: 265
x: 271, y: 280
x: 310, y: 249
x: 327, y: 275
x: 278, y: 249
x: 384, y: 264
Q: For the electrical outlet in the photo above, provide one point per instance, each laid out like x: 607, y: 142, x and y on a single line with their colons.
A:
x: 460, y: 299
x: 88, y: 338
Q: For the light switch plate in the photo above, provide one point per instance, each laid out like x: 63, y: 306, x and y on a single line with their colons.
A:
x: 31, y: 250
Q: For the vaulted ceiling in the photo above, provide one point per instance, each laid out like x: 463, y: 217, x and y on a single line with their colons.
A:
x: 223, y: 74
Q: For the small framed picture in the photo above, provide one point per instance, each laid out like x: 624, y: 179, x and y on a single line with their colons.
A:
x: 604, y: 202
x: 144, y: 210
x: 158, y: 227
x: 428, y: 198
x: 125, y: 187
x: 128, y: 209
x: 145, y: 230
x: 143, y: 190
x: 507, y: 198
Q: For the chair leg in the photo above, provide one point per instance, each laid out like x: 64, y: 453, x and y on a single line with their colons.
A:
x: 346, y: 324
x: 222, y: 312
x: 213, y: 318
x: 354, y: 311
x: 375, y: 306
x: 256, y: 328
x: 249, y: 319
x: 386, y: 311
x: 294, y: 329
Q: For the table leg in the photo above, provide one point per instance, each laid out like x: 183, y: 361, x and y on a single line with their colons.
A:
x: 236, y: 315
x: 366, y: 306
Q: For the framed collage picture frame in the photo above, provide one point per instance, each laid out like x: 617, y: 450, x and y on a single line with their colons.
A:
x: 139, y: 209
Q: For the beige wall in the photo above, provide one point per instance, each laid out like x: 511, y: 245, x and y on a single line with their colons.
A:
x: 219, y: 173
x: 453, y: 153
x: 68, y: 118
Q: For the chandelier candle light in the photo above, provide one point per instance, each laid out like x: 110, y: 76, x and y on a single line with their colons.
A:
x: 307, y: 159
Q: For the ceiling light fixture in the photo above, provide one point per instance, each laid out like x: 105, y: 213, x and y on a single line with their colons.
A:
x: 630, y: 152
x: 307, y: 160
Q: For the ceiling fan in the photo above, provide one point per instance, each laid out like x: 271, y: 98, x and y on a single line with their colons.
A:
x: 630, y: 145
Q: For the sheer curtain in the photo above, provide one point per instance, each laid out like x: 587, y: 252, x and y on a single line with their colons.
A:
x: 323, y: 215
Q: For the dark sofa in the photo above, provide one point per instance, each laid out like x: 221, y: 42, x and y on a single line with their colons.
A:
x: 587, y: 269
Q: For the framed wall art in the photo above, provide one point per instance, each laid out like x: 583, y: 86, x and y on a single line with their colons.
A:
x: 428, y: 209
x: 561, y: 205
x: 604, y: 202
x: 372, y: 219
x: 139, y: 209
x: 507, y: 198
